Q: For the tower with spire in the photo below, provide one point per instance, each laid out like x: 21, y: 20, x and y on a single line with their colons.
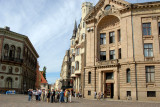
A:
x: 74, y: 30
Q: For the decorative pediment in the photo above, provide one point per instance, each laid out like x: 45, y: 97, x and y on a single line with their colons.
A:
x: 104, y: 7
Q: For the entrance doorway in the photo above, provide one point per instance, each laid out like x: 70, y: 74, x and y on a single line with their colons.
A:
x: 109, y: 91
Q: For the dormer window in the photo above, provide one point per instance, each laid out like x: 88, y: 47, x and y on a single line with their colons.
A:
x: 107, y: 7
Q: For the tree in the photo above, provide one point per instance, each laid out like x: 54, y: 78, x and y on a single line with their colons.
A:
x: 44, y: 72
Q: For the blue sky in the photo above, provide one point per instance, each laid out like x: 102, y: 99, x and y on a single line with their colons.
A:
x: 48, y: 24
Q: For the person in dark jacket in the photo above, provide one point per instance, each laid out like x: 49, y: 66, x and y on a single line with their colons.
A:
x: 29, y: 94
x: 53, y: 96
x: 48, y: 96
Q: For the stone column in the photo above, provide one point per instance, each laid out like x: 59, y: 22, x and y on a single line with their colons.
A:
x: 100, y: 82
x: 116, y: 85
x: 103, y: 82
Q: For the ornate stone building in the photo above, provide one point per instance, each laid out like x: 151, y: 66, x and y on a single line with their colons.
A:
x: 77, y: 50
x: 65, y: 75
x: 18, y: 62
x: 123, y: 50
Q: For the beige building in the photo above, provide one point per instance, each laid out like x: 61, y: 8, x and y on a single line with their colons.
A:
x: 77, y: 50
x: 18, y: 62
x: 65, y: 75
x: 123, y: 50
x: 58, y: 85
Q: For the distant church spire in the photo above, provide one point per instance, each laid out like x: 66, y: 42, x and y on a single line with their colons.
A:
x: 74, y: 30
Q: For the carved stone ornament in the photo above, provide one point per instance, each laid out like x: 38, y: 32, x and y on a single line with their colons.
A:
x: 17, y: 69
x: 3, y: 68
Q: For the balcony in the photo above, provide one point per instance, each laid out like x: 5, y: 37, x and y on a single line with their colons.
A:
x: 16, y: 60
x: 77, y: 72
x: 107, y: 63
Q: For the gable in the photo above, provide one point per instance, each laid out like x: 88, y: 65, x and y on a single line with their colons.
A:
x: 101, y: 6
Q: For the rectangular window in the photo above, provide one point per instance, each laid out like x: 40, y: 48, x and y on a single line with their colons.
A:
x: 150, y: 74
x: 128, y: 93
x: 119, y: 53
x: 146, y: 29
x: 159, y: 27
x: 119, y: 35
x: 109, y: 76
x: 72, y: 69
x: 83, y: 24
x: 89, y: 77
x: 128, y: 76
x: 89, y: 92
x: 151, y: 93
x: 148, y: 50
x: 77, y: 51
x: 103, y: 38
x: 102, y: 55
x: 112, y: 54
x: 111, y: 37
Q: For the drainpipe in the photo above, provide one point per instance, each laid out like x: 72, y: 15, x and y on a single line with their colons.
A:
x: 94, y: 51
x: 134, y: 51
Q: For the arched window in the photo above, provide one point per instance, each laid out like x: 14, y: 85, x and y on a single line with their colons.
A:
x: 10, y: 70
x: 12, y: 52
x: 107, y: 7
x: 6, y: 50
x: 89, y: 77
x: 9, y: 82
x: 18, y: 53
x: 77, y: 65
x: 128, y: 75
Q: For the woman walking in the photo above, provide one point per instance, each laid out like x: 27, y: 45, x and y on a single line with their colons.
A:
x: 61, y: 96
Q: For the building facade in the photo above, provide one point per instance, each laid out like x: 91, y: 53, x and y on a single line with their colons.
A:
x: 65, y: 75
x: 77, y: 50
x: 58, y: 85
x: 123, y: 50
x: 18, y: 62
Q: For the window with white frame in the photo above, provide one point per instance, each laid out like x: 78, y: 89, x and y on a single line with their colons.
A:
x: 112, y: 54
x: 102, y: 38
x: 148, y: 50
x: 150, y: 74
x: 111, y: 37
x: 146, y: 29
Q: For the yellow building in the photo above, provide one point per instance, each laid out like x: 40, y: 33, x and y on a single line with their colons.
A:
x: 123, y: 50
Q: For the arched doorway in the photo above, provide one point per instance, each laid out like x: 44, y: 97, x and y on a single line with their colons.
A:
x: 9, y: 82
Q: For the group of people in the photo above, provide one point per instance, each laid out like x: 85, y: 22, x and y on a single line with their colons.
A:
x: 50, y: 96
x: 98, y: 96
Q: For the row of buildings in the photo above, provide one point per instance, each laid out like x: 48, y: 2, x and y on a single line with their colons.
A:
x: 115, y: 50
x: 19, y: 69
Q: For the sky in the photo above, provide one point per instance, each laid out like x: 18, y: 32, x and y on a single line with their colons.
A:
x: 49, y: 26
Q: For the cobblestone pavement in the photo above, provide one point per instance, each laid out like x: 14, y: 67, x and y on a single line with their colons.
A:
x: 21, y: 101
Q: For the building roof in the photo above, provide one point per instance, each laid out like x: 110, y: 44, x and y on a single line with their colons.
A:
x: 43, y: 80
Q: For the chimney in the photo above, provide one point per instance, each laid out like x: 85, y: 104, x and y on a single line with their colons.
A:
x: 7, y: 28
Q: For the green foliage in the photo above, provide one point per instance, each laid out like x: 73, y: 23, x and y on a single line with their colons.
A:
x: 44, y: 72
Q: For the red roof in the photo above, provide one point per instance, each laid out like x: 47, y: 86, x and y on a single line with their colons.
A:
x: 43, y: 80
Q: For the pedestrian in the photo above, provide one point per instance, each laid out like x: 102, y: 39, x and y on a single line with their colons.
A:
x: 66, y: 96
x: 29, y: 94
x: 102, y: 95
x: 52, y: 96
x: 61, y: 96
x: 43, y: 95
x: 99, y: 96
x: 95, y: 94
x: 46, y: 92
x: 58, y: 96
x: 36, y: 94
x: 48, y: 96
x: 39, y: 94
x: 70, y: 96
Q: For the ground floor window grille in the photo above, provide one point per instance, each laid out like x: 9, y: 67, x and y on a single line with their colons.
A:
x: 89, y: 92
x: 151, y: 94
x: 128, y: 93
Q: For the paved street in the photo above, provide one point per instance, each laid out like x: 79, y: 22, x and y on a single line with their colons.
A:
x: 21, y: 101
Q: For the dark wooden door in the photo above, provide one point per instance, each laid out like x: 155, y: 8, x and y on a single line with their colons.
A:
x: 108, y: 90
